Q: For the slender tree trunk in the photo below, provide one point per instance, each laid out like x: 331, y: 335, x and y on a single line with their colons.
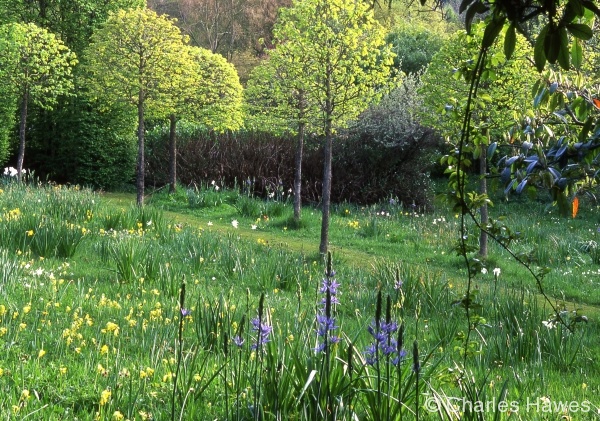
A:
x: 483, y: 238
x: 298, y: 162
x: 140, y: 181
x: 172, y: 154
x: 327, y: 175
x: 22, y: 132
x: 327, y: 158
x: 298, y: 174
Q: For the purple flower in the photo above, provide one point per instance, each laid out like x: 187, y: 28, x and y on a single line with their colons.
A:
x: 185, y: 312
x: 399, y: 357
x: 325, y: 322
x: 238, y: 341
x: 384, y: 344
x: 330, y: 285
x: 262, y: 333
x: 371, y: 354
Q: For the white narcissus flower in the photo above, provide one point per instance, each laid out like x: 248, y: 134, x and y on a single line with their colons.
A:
x: 484, y: 271
x: 497, y: 272
x: 235, y: 223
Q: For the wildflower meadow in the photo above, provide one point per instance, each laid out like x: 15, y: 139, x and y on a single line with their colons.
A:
x: 184, y: 311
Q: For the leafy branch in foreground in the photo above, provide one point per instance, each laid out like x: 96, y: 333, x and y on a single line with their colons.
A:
x: 551, y: 46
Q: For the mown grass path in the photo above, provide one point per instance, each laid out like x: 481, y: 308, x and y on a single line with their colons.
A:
x: 357, y: 254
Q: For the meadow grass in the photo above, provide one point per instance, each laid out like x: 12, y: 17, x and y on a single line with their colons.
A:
x: 94, y: 323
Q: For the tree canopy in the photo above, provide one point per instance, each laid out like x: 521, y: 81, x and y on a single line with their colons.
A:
x: 135, y: 59
x: 35, y: 67
x: 337, y: 54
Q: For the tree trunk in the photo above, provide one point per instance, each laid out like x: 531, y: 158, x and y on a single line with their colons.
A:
x: 172, y: 154
x: 22, y: 132
x: 327, y: 158
x: 483, y: 238
x: 139, y: 181
x: 298, y: 162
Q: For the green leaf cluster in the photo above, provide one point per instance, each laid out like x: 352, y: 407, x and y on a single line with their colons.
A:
x: 36, y: 63
x: 336, y: 54
x: 501, y: 98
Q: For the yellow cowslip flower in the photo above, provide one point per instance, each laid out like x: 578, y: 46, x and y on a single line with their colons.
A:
x: 105, y: 397
x: 41, y: 353
x: 167, y: 377
x: 117, y: 416
x: 27, y: 308
x: 197, y: 377
x: 104, y: 350
x: 132, y: 323
x: 24, y: 395
x: 29, y: 233
x: 2, y: 310
x: 145, y: 415
x: 22, y: 326
x: 111, y: 328
x: 100, y: 369
x: 62, y: 370
x: 3, y: 331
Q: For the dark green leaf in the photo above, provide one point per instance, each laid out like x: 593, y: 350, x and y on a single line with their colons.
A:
x: 580, y: 30
x: 564, y: 55
x: 475, y: 8
x: 577, y: 6
x: 585, y: 130
x: 491, y: 32
x: 509, y: 187
x: 539, y: 55
x: 576, y: 54
x: 591, y: 5
x: 540, y: 97
x: 492, y: 150
x: 463, y: 6
x: 521, y: 186
x: 552, y: 45
x: 573, y: 9
x: 510, y: 40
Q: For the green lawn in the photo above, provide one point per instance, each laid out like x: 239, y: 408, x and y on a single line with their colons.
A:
x: 91, y: 295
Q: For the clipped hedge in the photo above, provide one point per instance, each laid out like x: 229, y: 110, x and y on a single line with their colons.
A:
x: 365, y: 170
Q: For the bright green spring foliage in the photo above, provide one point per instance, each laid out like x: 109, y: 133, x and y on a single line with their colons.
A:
x: 36, y: 68
x: 212, y: 95
x: 335, y: 51
x: 502, y: 97
x: 138, y: 59
x: 134, y: 58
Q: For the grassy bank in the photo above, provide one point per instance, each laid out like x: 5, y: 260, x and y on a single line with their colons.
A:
x: 91, y: 295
